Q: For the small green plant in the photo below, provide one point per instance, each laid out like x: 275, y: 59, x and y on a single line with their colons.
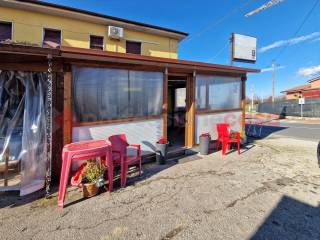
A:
x: 93, y: 172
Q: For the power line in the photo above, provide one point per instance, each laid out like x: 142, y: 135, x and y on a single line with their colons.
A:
x: 300, y: 27
x: 219, y: 52
x: 219, y: 21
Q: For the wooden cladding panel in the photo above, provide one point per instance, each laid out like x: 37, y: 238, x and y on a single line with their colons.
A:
x: 119, y: 120
x: 190, y: 113
x: 204, y: 112
x: 243, y: 102
x: 67, y: 108
x: 165, y: 103
x: 57, y: 135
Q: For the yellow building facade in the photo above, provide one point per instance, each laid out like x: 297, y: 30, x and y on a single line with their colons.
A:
x: 28, y: 24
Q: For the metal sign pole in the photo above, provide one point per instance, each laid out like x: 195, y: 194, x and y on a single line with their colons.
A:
x: 301, y: 103
x: 49, y: 125
x: 231, y: 49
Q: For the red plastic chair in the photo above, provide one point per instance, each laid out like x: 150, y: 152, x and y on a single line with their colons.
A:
x: 120, y: 145
x: 224, y: 137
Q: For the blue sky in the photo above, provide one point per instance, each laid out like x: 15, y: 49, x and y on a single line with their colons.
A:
x: 210, y: 23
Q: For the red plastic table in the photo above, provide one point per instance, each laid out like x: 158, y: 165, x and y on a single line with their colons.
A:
x: 82, y: 151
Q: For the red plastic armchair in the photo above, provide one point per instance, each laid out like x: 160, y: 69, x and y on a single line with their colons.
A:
x: 119, y: 145
x: 225, y: 137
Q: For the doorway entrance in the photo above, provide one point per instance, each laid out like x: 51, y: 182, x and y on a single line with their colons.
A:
x: 177, y: 106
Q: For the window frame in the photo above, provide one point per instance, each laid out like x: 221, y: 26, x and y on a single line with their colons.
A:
x: 207, y: 110
x: 132, y: 41
x: 12, y: 27
x: 52, y: 29
x: 77, y: 123
x: 103, y: 41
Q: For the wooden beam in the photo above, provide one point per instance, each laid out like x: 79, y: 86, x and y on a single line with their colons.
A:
x: 67, y: 108
x: 34, y: 67
x: 243, y: 103
x: 204, y: 112
x: 118, y: 120
x: 165, y: 103
x: 190, y: 113
x: 193, y: 108
x: 161, y: 62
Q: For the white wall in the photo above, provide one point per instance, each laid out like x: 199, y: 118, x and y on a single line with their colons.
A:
x: 145, y: 132
x: 207, y: 123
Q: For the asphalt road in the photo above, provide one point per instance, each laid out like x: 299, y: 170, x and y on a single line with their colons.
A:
x: 286, y: 128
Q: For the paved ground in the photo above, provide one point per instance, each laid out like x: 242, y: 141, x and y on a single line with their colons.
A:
x: 271, y: 191
x: 297, y: 129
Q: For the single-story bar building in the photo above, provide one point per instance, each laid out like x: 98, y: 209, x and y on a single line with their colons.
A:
x: 140, y: 89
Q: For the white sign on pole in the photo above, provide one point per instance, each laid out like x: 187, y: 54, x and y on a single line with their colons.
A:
x: 244, y: 48
x: 302, y: 101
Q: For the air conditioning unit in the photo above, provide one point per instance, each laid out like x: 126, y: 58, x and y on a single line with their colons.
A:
x: 115, y: 32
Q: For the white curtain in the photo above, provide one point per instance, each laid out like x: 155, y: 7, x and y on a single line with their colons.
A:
x: 22, y: 125
x: 33, y: 153
x: 104, y: 94
x: 217, y: 92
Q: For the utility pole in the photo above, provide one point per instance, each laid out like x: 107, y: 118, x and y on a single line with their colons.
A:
x: 273, y: 78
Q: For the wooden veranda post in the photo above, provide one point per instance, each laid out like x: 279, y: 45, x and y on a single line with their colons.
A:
x: 67, y: 106
x: 190, y: 117
x: 165, y: 103
x: 243, y: 104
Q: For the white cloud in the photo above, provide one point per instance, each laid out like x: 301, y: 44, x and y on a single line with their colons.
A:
x: 292, y: 41
x: 309, y: 71
x: 270, y: 69
x: 316, y: 40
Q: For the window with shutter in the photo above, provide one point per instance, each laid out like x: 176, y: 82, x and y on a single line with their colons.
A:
x: 5, y: 31
x: 96, y: 42
x: 133, y: 47
x: 52, y: 38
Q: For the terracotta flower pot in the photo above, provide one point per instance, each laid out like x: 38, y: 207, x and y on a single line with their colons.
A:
x: 90, y: 189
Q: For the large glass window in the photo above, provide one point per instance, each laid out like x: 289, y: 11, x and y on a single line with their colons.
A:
x: 104, y: 94
x: 217, y: 93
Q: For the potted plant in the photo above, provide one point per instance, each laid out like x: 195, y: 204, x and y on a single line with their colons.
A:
x: 204, y: 141
x: 161, y: 150
x: 92, y: 178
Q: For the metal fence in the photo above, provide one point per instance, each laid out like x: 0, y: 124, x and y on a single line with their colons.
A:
x: 311, y: 108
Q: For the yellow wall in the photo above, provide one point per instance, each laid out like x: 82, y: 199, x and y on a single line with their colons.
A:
x: 28, y: 27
